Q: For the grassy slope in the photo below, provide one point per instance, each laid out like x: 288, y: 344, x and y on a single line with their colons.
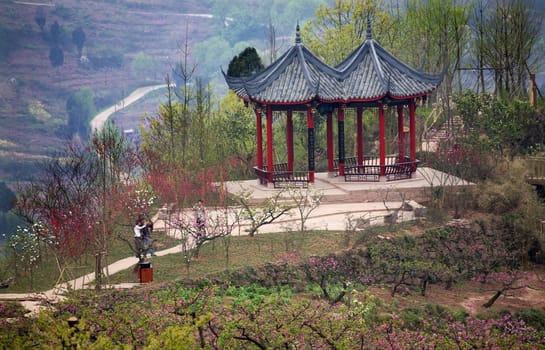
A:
x: 33, y: 94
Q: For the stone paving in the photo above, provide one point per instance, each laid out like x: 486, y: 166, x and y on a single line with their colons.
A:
x: 337, y: 191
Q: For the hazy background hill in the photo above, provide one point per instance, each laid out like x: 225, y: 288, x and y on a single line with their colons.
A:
x: 127, y: 44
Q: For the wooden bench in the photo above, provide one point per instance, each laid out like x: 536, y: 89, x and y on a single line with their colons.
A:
x: 399, y: 171
x: 282, y: 179
x: 365, y: 172
x: 262, y: 176
x: 348, y: 161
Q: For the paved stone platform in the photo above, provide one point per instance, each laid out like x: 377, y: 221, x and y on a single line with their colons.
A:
x: 337, y: 191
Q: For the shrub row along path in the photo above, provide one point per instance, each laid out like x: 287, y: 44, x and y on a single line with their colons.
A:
x: 326, y: 216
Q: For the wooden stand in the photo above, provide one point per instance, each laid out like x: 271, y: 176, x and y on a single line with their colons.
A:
x: 145, y: 272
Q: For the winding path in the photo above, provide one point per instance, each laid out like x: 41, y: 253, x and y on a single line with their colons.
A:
x: 98, y: 120
x: 329, y: 216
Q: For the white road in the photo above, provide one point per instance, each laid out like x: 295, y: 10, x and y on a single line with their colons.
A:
x: 98, y: 120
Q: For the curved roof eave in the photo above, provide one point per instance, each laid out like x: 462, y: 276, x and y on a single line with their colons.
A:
x: 379, y: 55
x: 252, y: 86
x: 407, y: 97
x: 282, y: 103
x: 312, y: 86
x: 434, y: 79
x: 261, y: 80
x: 353, y: 100
x: 351, y: 59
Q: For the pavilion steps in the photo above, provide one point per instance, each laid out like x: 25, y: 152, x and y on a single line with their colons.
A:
x: 442, y: 133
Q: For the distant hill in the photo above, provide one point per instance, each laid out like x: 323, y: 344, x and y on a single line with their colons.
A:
x: 127, y: 44
x: 33, y: 93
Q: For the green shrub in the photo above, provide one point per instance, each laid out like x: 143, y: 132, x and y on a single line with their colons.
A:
x: 499, y: 198
x: 412, y: 317
x: 107, y: 58
x: 11, y: 309
x: 533, y: 317
x: 509, y: 192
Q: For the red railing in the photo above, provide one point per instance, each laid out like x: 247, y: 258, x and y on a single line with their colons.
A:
x: 371, y: 170
x: 281, y: 176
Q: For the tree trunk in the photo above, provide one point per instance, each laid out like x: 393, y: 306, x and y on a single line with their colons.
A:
x: 98, y: 271
x: 423, y: 287
x: 492, y: 300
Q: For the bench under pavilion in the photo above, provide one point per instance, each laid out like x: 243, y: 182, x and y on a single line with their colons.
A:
x: 370, y: 77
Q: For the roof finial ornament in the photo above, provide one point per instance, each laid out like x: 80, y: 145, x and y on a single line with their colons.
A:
x: 369, y: 36
x: 297, y: 34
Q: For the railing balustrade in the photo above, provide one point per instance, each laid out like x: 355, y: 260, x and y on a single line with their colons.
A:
x: 369, y: 171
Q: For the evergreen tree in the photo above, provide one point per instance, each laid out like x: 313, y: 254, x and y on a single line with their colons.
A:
x: 80, y: 107
x: 78, y: 37
x: 56, y: 56
x: 245, y: 64
x: 55, y: 34
x: 40, y: 18
x: 7, y: 198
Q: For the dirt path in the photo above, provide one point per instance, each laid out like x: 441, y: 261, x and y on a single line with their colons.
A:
x: 98, y: 121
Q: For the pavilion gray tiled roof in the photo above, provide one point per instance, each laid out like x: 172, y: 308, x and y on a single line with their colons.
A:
x: 298, y: 76
x: 370, y: 73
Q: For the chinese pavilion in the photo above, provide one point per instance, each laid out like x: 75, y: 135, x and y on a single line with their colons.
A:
x: 299, y: 81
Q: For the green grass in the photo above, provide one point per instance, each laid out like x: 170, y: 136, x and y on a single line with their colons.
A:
x: 47, y: 274
x: 243, y: 251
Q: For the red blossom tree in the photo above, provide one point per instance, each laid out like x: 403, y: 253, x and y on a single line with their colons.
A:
x: 76, y: 195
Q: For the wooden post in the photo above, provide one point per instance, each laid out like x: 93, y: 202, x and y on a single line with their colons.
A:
x: 359, y: 137
x: 289, y: 139
x: 412, y: 130
x: 270, y: 163
x: 98, y: 270
x: 400, y: 134
x: 259, y: 137
x: 382, y: 139
x: 340, y: 130
x: 310, y: 145
x: 330, y: 151
x: 533, y: 90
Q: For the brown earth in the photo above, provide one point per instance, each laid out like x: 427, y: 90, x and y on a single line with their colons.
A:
x: 470, y: 296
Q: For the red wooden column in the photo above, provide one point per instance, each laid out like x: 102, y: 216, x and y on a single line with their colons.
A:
x: 359, y: 137
x: 329, y: 131
x: 382, y: 139
x: 270, y: 164
x: 310, y: 144
x: 289, y: 138
x: 340, y: 131
x: 400, y: 133
x: 259, y: 137
x: 412, y: 132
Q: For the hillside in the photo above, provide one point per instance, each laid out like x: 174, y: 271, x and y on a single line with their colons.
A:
x: 33, y: 93
x: 127, y: 44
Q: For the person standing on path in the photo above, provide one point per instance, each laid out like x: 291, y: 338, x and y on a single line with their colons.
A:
x: 200, y: 218
x: 146, y: 237
x: 138, y: 239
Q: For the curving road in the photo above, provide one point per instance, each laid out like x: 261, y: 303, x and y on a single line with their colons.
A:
x: 98, y: 120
